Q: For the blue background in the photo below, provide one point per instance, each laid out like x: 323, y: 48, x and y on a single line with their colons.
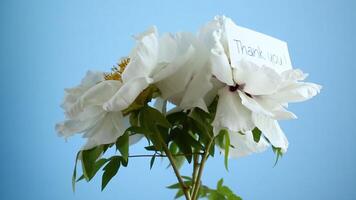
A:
x: 47, y: 46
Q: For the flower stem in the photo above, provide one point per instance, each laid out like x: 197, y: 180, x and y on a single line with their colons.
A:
x: 195, y: 171
x: 185, y: 189
x: 200, y: 172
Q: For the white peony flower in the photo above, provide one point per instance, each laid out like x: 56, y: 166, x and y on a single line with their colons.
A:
x: 83, y: 106
x: 155, y: 60
x: 254, y: 96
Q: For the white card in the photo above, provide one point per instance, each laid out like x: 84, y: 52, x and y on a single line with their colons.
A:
x: 256, y: 47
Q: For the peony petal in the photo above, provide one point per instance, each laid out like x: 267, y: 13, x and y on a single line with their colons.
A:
x: 85, y: 121
x: 256, y: 80
x: 220, y: 62
x: 243, y: 144
x: 196, y: 90
x: 271, y: 130
x: 73, y: 94
x: 143, y: 57
x: 95, y: 96
x: 252, y: 104
x: 231, y: 114
x: 176, y: 72
x: 127, y: 94
x: 214, y: 37
x: 297, y: 92
x: 106, y: 131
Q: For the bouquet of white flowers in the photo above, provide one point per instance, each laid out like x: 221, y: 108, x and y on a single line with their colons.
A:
x: 225, y: 92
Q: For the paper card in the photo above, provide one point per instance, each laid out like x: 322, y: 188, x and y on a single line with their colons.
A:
x: 256, y: 47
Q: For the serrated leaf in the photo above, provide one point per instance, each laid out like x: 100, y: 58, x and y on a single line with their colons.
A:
x: 122, y: 144
x: 110, y: 170
x: 256, y: 134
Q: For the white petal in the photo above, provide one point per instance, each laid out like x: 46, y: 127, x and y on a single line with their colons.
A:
x: 91, y: 78
x: 271, y: 130
x: 252, y: 104
x: 167, y: 48
x: 297, y: 92
x: 196, y: 91
x: 106, y: 131
x: 95, y: 96
x: 220, y: 62
x: 214, y: 37
x: 127, y: 94
x: 84, y: 121
x: 231, y: 114
x: 267, y: 106
x: 174, y: 78
x: 244, y: 145
x: 256, y: 80
x: 293, y: 75
x: 143, y: 57
x: 73, y: 94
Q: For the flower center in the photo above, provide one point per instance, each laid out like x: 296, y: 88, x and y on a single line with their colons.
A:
x: 239, y: 87
x: 235, y: 87
x: 116, y: 71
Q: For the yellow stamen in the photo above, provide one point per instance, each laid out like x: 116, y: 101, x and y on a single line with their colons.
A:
x: 116, y: 71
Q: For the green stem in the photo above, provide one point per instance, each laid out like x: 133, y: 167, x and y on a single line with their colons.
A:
x: 200, y: 172
x: 195, y: 170
x: 176, y: 171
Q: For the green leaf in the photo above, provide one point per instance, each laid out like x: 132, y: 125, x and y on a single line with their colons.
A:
x: 89, y: 158
x: 174, y: 186
x: 152, y: 118
x: 184, y: 145
x: 179, y: 194
x: 134, y: 118
x: 151, y: 148
x: 177, y: 117
x: 80, y: 178
x: 220, y: 183
x: 223, y: 140
x: 110, y: 170
x: 227, y: 148
x: 122, y: 144
x: 156, y: 125
x: 212, y: 107
x: 202, y: 122
x: 278, y: 152
x: 187, y: 178
x: 256, y: 134
x: 74, y: 177
x: 152, y: 161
